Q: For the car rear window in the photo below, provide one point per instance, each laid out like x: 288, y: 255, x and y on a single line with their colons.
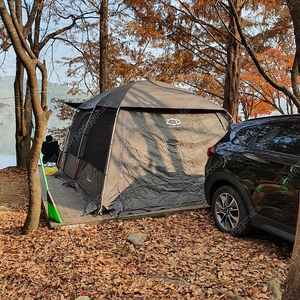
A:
x: 246, y: 135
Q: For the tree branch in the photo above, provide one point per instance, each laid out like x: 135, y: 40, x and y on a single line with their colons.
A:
x: 258, y: 65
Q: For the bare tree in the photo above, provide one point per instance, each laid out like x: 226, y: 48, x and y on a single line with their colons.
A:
x: 28, y: 40
x: 292, y: 288
x: 27, y: 58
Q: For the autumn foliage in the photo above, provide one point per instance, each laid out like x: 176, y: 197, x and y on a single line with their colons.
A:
x: 257, y: 96
x: 187, y: 43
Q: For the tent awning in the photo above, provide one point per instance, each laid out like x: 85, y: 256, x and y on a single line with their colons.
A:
x: 73, y: 104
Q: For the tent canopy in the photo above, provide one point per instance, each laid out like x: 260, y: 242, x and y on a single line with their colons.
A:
x: 142, y: 147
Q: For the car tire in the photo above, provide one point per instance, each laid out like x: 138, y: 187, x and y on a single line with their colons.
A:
x: 230, y: 212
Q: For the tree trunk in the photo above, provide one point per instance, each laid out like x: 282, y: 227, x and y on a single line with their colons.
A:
x: 104, y: 46
x: 23, y: 117
x: 22, y: 149
x: 294, y: 9
x: 34, y: 209
x: 41, y: 119
x: 21, y: 143
x: 233, y: 67
x: 292, y: 287
x: 35, y: 195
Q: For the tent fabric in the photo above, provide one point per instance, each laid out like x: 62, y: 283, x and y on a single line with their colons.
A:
x: 150, y: 94
x: 141, y: 147
x: 157, y: 164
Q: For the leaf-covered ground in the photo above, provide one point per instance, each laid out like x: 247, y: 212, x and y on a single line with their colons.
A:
x: 184, y: 257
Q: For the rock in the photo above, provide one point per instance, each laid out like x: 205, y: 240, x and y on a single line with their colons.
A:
x: 83, y: 298
x: 274, y: 286
x: 136, y: 238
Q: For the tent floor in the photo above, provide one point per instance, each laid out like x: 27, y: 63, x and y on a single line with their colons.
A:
x: 69, y: 206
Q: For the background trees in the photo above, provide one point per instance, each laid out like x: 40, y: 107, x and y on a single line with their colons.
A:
x: 196, y: 44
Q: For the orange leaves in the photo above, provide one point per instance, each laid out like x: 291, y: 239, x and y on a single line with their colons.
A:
x: 271, y: 4
x: 259, y: 97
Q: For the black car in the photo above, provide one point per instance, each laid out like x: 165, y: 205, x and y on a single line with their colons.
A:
x: 253, y: 177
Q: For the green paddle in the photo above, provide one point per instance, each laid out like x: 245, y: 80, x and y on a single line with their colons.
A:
x: 52, y: 209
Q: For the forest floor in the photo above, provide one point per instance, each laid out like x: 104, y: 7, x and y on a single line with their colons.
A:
x: 183, y: 257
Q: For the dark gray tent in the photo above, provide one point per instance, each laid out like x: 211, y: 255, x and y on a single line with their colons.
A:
x: 141, y: 147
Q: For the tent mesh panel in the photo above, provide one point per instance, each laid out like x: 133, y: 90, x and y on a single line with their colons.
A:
x: 76, y: 134
x: 98, y: 138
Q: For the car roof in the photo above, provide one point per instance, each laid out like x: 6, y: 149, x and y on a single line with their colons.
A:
x: 268, y: 120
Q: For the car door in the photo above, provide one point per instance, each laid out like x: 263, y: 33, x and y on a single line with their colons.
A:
x: 270, y: 167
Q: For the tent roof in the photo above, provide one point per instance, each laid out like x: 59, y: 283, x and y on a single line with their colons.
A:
x: 149, y: 94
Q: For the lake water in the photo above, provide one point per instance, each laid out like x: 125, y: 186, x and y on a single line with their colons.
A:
x: 7, y: 161
x: 7, y: 135
x: 7, y: 116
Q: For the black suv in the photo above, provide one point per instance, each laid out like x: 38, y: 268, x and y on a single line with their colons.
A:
x: 253, y: 177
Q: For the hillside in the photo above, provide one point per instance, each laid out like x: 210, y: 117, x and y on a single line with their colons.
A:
x: 57, y: 91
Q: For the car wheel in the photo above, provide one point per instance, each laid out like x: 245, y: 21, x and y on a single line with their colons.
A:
x: 230, y: 212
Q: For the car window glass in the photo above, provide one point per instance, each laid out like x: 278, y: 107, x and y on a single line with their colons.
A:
x: 264, y: 137
x: 284, y: 139
x: 246, y: 135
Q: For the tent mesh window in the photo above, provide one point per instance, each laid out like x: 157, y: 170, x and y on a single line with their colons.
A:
x: 98, y: 138
x: 76, y: 135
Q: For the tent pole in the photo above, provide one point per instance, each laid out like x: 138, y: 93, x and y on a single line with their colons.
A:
x: 108, y: 160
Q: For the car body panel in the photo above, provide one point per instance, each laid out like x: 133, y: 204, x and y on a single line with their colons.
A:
x: 272, y: 185
x: 268, y: 180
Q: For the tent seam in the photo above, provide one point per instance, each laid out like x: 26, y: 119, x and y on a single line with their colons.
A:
x: 122, y: 166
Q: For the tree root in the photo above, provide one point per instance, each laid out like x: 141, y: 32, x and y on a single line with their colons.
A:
x: 226, y: 293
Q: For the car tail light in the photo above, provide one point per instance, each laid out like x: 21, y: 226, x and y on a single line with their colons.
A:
x: 211, y: 151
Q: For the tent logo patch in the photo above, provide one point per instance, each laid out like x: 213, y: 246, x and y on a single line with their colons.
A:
x: 173, y: 122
